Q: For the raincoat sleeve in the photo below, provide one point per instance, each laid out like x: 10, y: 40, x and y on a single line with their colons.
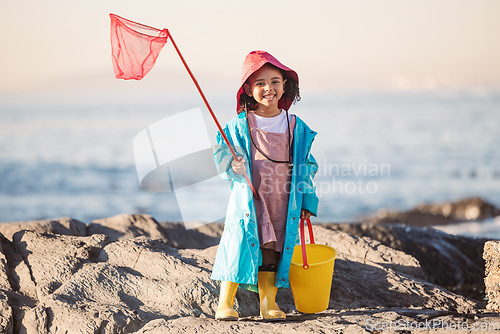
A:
x: 310, y: 199
x: 223, y: 159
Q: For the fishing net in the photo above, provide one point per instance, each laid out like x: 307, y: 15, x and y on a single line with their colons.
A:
x: 134, y: 47
x: 166, y: 159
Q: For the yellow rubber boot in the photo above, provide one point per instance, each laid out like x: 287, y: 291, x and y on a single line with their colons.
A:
x: 269, y: 310
x: 225, y: 309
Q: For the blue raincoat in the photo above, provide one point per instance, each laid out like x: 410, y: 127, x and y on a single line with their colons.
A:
x: 239, y: 255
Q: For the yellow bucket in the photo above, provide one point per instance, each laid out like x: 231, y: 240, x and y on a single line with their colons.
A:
x: 311, y: 280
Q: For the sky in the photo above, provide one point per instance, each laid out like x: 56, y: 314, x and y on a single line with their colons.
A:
x: 339, y: 44
x: 59, y: 50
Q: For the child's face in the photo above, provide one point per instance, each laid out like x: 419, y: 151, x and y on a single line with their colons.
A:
x: 266, y: 86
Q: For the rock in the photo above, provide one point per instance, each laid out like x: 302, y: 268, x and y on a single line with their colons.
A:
x: 19, y: 276
x: 4, y: 275
x: 34, y: 320
x: 332, y: 321
x: 6, y: 314
x: 65, y: 226
x: 438, y: 214
x: 452, y: 262
x: 155, y: 280
x: 492, y: 274
x: 249, y: 326
x: 202, y: 237
x: 132, y: 282
x: 123, y: 227
x: 6, y: 318
x: 140, y: 284
x: 22, y: 292
x: 474, y: 208
x: 53, y: 259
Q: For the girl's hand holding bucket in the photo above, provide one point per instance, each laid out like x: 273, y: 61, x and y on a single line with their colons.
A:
x: 304, y: 214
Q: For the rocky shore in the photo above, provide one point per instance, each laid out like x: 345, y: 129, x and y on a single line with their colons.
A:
x: 131, y: 274
x: 433, y: 214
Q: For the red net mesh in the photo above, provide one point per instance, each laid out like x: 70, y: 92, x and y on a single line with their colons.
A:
x: 134, y: 47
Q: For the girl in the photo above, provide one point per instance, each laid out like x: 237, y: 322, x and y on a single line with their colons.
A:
x: 259, y: 235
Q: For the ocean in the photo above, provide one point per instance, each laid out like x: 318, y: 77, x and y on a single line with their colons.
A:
x: 395, y: 150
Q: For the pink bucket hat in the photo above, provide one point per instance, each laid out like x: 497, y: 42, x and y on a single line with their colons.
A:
x: 253, y: 62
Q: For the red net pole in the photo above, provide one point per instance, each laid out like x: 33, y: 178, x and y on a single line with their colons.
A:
x: 211, y: 111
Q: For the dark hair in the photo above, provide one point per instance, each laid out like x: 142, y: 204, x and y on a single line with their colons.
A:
x: 292, y: 93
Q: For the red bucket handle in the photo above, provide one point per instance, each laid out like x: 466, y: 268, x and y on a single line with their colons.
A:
x: 303, y: 240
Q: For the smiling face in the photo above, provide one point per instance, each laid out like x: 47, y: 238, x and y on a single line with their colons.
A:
x: 266, y: 86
